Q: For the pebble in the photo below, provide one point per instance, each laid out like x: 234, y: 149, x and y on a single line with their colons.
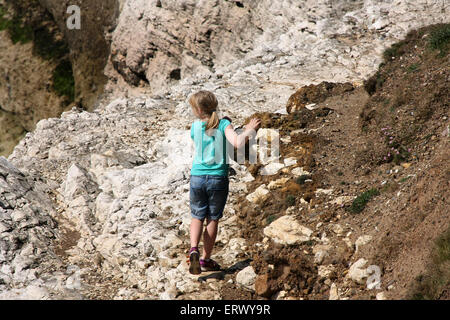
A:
x: 334, y: 294
x: 381, y: 296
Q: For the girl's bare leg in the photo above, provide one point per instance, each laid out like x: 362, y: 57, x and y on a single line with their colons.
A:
x: 196, y: 232
x: 209, y: 237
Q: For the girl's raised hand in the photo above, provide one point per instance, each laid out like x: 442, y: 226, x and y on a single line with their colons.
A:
x: 253, y: 124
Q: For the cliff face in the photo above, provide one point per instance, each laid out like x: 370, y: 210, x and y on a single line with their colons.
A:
x: 89, y: 46
x: 117, y: 176
x: 27, y: 71
x: 45, y: 68
x: 283, y: 41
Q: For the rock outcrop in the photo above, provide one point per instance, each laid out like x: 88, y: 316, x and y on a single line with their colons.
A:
x: 28, y: 263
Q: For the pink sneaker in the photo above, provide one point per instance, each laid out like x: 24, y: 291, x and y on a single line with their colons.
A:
x: 194, y: 265
x: 209, y: 265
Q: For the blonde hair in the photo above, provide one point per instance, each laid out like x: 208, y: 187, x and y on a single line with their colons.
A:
x: 207, y: 102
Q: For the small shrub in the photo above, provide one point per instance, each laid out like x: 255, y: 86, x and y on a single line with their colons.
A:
x: 4, y: 22
x: 374, y: 83
x: 439, y: 39
x: 20, y: 32
x: 290, y: 200
x: 47, y: 47
x: 309, y: 243
x: 301, y: 180
x: 396, y: 152
x: 360, y: 202
x: 17, y: 30
x: 270, y: 219
x: 380, y: 80
x: 442, y: 249
x: 63, y: 81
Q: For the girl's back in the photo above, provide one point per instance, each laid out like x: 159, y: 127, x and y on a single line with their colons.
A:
x: 210, y: 156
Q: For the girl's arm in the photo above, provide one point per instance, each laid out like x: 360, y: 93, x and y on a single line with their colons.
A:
x: 239, y: 140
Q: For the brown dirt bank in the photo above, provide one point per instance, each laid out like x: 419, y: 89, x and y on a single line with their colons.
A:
x: 346, y: 145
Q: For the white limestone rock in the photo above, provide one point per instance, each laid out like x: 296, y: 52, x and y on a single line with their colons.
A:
x: 246, y: 278
x: 287, y: 230
x: 259, y: 195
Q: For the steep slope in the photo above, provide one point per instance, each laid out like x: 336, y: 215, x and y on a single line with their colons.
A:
x: 372, y: 187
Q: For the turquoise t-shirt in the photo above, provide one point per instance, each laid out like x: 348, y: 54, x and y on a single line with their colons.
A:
x: 210, y: 157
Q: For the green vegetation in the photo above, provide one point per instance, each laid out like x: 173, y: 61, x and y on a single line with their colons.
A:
x: 4, y: 22
x: 63, y: 81
x: 413, y: 68
x: 443, y: 248
x: 404, y: 179
x: 380, y: 80
x: 396, y: 50
x: 290, y: 200
x: 270, y: 219
x: 46, y: 46
x: 309, y: 243
x: 301, y: 180
x: 439, y: 39
x: 431, y: 285
x: 18, y: 31
x: 360, y: 202
x: 401, y: 154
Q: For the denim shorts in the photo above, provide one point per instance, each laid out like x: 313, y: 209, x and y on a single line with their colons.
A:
x: 208, y: 195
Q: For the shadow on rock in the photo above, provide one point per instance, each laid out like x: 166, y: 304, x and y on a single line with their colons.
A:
x: 221, y: 274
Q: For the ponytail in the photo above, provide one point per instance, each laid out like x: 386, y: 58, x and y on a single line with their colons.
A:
x: 213, y: 123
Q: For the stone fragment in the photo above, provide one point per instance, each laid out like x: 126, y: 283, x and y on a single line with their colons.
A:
x: 290, y: 161
x: 381, y: 296
x: 271, y: 169
x: 361, y: 241
x: 342, y: 200
x: 246, y: 278
x: 298, y: 171
x: 259, y: 195
x: 325, y: 271
x: 277, y: 183
x: 358, y: 271
x: 286, y: 230
x: 337, y: 228
x: 334, y: 294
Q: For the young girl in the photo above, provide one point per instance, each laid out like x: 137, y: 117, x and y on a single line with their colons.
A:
x: 209, y: 175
